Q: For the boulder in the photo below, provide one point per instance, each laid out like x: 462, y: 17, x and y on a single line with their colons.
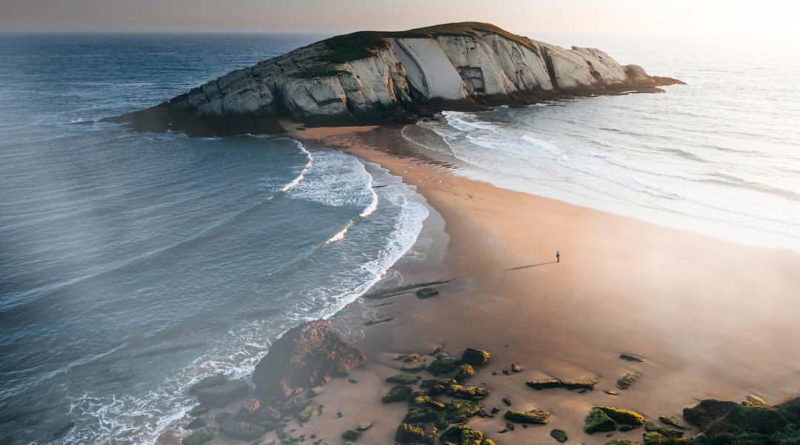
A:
x: 461, y: 434
x: 707, y: 411
x: 534, y: 417
x: 464, y: 372
x: 656, y: 438
x: 459, y: 411
x: 475, y: 357
x: 598, y: 421
x: 467, y: 392
x: 214, y: 380
x: 222, y: 394
x: 306, y: 356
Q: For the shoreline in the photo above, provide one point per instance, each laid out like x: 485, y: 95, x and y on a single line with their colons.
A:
x: 674, y: 376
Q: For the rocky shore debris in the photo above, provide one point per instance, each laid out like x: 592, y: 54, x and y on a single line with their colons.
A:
x: 581, y: 384
x: 306, y: 356
x: 606, y: 418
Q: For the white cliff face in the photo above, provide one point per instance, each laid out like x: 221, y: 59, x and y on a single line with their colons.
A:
x: 401, y: 77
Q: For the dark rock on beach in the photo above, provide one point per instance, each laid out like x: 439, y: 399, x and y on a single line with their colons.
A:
x: 475, y: 357
x: 306, y: 356
x: 707, y: 411
x: 534, y: 417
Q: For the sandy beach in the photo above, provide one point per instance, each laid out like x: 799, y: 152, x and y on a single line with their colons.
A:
x: 712, y: 319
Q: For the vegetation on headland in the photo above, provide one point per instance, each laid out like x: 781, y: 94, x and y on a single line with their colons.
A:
x: 363, y: 44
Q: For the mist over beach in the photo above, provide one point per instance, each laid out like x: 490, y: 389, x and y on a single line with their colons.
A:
x: 517, y: 222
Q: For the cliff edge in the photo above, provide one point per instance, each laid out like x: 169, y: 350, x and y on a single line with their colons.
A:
x: 371, y: 77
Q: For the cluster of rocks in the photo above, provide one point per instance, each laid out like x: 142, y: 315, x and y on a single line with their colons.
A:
x: 443, y: 403
x: 286, y: 382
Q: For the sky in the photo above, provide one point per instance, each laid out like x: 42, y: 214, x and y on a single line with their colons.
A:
x: 769, y: 18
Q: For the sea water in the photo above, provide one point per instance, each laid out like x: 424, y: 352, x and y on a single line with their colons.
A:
x: 132, y: 264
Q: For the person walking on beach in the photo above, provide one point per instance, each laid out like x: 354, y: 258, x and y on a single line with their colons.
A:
x: 558, y: 256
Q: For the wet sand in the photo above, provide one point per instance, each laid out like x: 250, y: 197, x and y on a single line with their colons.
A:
x: 712, y: 319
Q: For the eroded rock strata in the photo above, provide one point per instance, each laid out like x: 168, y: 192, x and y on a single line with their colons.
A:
x: 383, y: 77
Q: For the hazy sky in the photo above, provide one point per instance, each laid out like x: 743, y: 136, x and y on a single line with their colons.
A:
x: 708, y: 17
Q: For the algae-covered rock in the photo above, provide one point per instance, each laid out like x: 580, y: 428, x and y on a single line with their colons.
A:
x: 745, y: 425
x: 407, y: 433
x: 622, y: 442
x: 623, y: 416
x: 198, y: 437
x: 443, y: 365
x: 425, y: 400
x: 544, y: 383
x: 598, y: 421
x: 475, y: 357
x: 628, y: 379
x: 464, y: 372
x: 403, y: 379
x: 305, y: 414
x: 436, y: 386
x: 672, y: 421
x: 754, y: 401
x: 705, y: 412
x: 422, y: 414
x: 398, y: 393
x: 461, y: 434
x: 559, y: 435
x: 586, y: 383
x: 656, y: 438
x: 467, y: 392
x: 664, y: 431
x: 534, y: 417
x: 460, y: 410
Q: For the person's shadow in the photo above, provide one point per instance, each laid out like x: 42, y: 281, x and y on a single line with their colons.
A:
x: 529, y: 266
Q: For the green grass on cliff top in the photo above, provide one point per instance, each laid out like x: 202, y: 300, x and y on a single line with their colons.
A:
x: 362, y: 44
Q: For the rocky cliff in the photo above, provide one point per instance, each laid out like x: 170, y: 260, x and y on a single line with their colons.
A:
x: 379, y: 77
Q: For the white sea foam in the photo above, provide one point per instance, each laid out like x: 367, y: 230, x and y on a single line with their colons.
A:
x: 309, y: 163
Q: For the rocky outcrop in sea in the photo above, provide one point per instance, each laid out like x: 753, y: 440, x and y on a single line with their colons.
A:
x: 392, y: 77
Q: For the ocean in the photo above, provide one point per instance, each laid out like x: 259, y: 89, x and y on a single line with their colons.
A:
x: 132, y: 264
x: 718, y: 156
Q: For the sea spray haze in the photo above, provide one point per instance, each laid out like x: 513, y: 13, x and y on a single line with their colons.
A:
x: 718, y: 155
x: 132, y: 264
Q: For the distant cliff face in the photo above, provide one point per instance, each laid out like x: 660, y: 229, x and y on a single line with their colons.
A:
x: 374, y: 77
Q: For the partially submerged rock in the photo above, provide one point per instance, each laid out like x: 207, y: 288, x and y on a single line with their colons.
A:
x: 583, y: 383
x: 303, y: 357
x: 467, y: 392
x: 631, y: 357
x: 534, y: 417
x: 407, y: 433
x: 427, y: 292
x: 462, y: 435
x: 672, y: 421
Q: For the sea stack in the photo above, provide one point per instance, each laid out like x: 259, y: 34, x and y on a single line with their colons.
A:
x: 372, y: 77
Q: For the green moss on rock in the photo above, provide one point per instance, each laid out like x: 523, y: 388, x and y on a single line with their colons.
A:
x: 622, y: 442
x: 398, y: 393
x: 407, y: 433
x: 467, y: 392
x: 627, y: 380
x: 403, y: 379
x: 624, y: 416
x: 598, y: 421
x: 443, y: 365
